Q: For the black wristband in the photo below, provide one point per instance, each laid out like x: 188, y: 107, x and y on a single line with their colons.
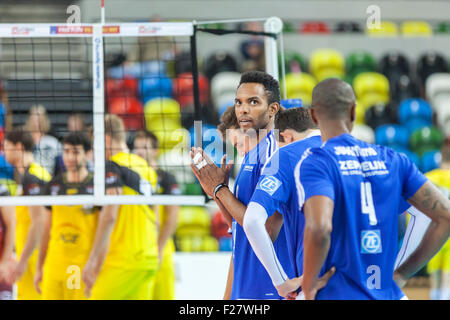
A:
x: 218, y: 187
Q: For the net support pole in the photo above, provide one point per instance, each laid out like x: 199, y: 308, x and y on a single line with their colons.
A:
x: 196, y: 91
x: 99, y: 111
x: 272, y: 25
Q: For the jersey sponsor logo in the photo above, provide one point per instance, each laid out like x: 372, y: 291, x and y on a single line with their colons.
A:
x: 111, y: 178
x: 34, y: 189
x: 355, y: 151
x: 269, y: 184
x: 145, y: 187
x: 54, y: 190
x: 248, y: 168
x: 370, y: 241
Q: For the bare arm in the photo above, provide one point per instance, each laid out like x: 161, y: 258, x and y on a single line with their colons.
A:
x: 229, y: 285
x: 169, y: 226
x: 9, y: 218
x: 318, y: 212
x: 436, y: 206
x: 43, y: 248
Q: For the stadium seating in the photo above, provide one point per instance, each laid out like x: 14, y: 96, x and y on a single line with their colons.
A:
x: 326, y: 63
x: 430, y: 160
x: 2, y: 115
x: 130, y: 110
x: 384, y: 29
x: 300, y: 86
x: 429, y: 63
x: 443, y: 28
x: 415, y: 109
x: 411, y: 155
x: 437, y: 88
x: 392, y: 135
x: 155, y: 86
x: 426, y: 139
x: 193, y: 221
x: 220, y: 61
x: 360, y: 61
x: 137, y: 69
x: 312, y: 27
x: 378, y: 115
x: 219, y: 226
x: 293, y: 62
x: 291, y: 103
x: 416, y: 29
x: 393, y: 65
x: 252, y: 49
x: 126, y: 87
x: 348, y: 27
x: 363, y: 132
x: 223, y: 88
x: 183, y: 90
x: 371, y: 88
x: 405, y: 87
x: 182, y: 63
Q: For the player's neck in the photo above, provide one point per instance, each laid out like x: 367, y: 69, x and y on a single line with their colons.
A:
x: 77, y: 176
x: 333, y: 128
x: 262, y: 133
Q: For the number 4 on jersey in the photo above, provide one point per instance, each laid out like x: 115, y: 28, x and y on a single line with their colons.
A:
x: 367, y: 206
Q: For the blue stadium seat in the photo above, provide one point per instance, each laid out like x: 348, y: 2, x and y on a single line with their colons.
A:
x: 291, y: 103
x: 415, y: 108
x: 154, y: 86
x: 392, y: 135
x: 430, y: 160
x: 411, y: 155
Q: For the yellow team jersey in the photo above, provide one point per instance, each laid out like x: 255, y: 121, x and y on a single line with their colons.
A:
x: 133, y: 242
x: 73, y: 227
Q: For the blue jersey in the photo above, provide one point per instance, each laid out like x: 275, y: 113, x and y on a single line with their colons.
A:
x: 251, y: 280
x: 276, y: 190
x: 368, y: 185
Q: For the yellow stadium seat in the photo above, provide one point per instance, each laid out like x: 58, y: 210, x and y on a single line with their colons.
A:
x: 371, y: 88
x: 300, y: 86
x: 326, y: 63
x: 416, y: 29
x: 158, y: 108
x: 359, y: 113
x: 210, y: 244
x: 384, y: 29
x: 193, y: 221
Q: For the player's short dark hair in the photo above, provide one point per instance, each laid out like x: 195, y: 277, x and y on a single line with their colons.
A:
x: 297, y: 119
x: 77, y: 138
x: 228, y: 120
x: 144, y: 134
x: 445, y: 152
x: 23, y: 136
x: 271, y: 85
x: 333, y: 97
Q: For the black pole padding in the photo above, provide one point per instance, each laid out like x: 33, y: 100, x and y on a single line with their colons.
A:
x: 196, y: 91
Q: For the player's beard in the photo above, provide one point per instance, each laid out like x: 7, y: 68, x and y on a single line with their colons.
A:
x: 258, y: 124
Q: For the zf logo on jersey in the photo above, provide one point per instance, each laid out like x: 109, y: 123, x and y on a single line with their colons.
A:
x: 270, y: 184
x: 370, y: 241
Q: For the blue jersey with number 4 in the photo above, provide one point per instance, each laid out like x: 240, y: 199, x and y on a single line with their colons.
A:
x: 368, y: 185
x: 251, y: 280
x: 276, y: 191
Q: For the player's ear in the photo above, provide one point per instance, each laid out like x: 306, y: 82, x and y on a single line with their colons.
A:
x: 274, y: 108
x: 287, y: 136
x: 313, y: 116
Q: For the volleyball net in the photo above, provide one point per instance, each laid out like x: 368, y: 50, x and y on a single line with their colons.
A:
x: 159, y: 77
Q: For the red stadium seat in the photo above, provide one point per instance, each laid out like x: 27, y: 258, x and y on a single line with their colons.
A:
x: 183, y: 89
x: 130, y: 110
x: 127, y: 87
x: 315, y: 27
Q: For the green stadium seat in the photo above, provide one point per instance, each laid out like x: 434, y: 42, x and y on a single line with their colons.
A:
x: 426, y: 139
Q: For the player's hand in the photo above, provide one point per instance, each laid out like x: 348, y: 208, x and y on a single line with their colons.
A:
x: 7, y: 271
x: 207, y: 173
x: 399, y: 279
x: 89, y: 276
x: 37, y: 280
x: 320, y: 283
x: 288, y: 289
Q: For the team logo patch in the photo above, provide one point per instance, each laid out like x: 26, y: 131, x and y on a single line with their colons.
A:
x: 269, y: 184
x: 370, y: 241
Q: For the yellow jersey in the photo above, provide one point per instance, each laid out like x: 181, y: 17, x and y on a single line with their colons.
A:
x: 133, y: 242
x: 32, y: 183
x: 73, y: 227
